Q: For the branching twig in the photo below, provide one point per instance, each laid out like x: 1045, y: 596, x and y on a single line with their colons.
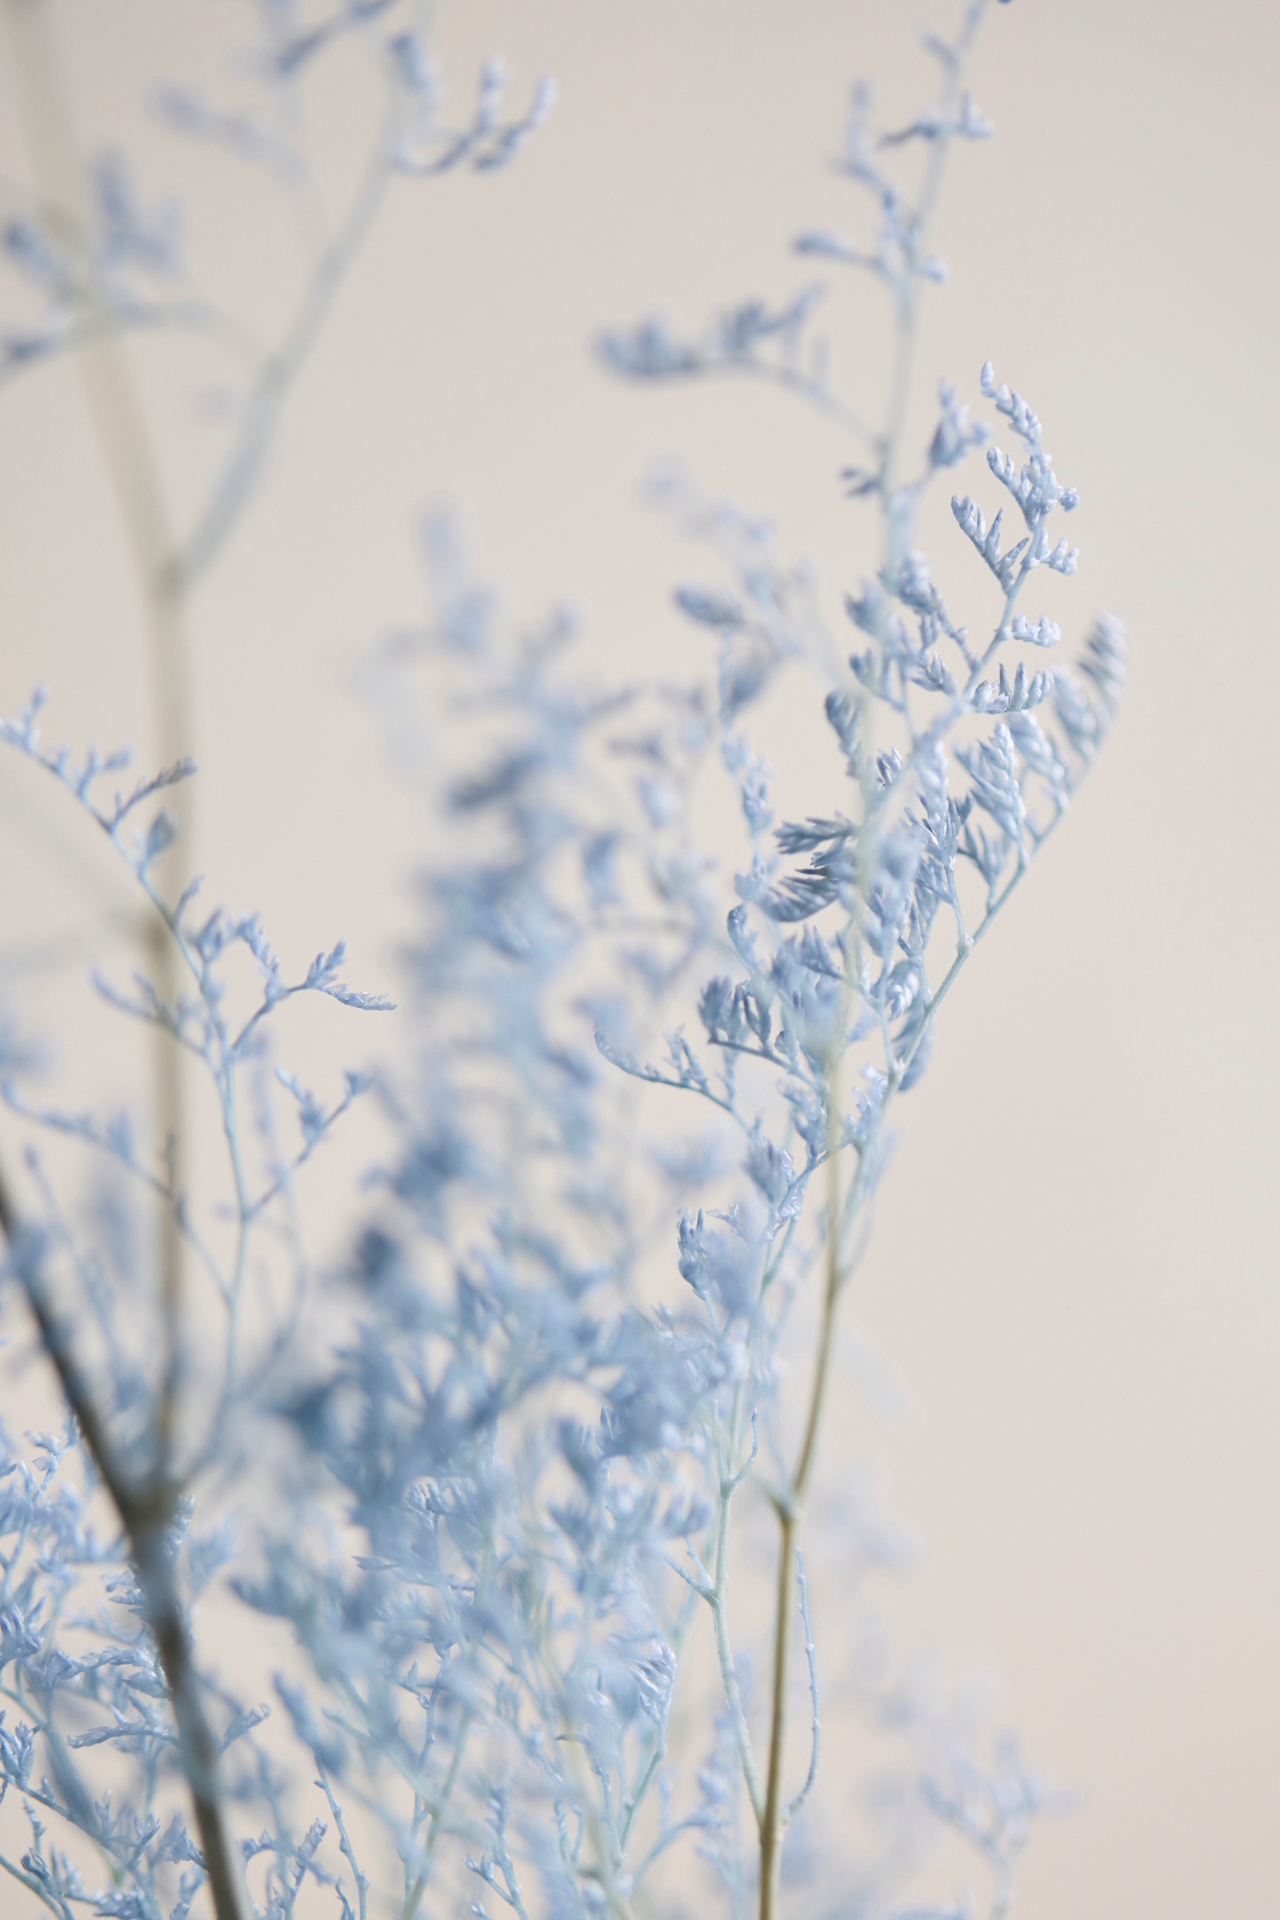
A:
x: 147, y: 1510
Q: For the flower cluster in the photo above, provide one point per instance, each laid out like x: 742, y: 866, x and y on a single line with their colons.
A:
x: 470, y: 1500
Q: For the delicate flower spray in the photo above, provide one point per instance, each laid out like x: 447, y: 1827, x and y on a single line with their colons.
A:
x: 472, y: 1496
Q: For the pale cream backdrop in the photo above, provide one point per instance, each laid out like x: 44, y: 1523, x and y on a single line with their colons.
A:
x: 1075, y: 1267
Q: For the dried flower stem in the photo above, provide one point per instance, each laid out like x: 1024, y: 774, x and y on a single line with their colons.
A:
x: 146, y: 1513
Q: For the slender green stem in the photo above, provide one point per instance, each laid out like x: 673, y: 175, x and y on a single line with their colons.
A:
x: 718, y: 1598
x: 789, y: 1501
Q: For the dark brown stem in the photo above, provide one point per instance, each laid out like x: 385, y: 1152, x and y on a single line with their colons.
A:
x: 146, y: 1511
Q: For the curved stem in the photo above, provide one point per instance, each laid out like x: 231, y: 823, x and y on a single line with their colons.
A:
x: 909, y: 297
x: 805, y: 387
x: 262, y: 409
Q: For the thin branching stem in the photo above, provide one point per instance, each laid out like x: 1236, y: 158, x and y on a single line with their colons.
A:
x: 912, y: 284
x: 266, y: 399
x: 146, y: 1512
x: 842, y: 1210
x: 802, y: 385
x: 811, y: 1658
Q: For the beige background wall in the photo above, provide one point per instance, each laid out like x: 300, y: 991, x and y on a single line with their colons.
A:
x: 1075, y: 1267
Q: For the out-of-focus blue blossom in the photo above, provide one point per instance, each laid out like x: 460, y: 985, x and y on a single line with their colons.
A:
x: 117, y: 263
